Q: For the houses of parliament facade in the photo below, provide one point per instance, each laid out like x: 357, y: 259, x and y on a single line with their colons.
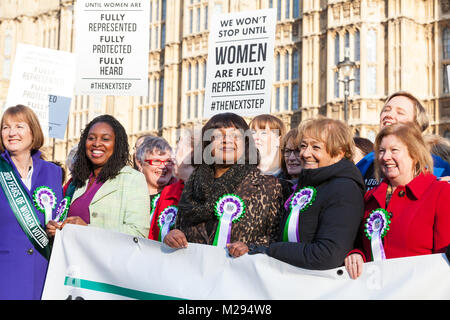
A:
x: 394, y: 44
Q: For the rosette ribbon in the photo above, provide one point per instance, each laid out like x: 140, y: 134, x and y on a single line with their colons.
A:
x: 300, y: 201
x: 376, y: 227
x: 45, y: 201
x: 166, y: 221
x: 229, y: 209
x: 153, y: 206
x: 63, y: 209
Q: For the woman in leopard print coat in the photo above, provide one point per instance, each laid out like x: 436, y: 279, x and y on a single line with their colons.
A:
x: 233, y: 171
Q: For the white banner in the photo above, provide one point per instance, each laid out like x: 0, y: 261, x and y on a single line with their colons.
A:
x: 112, y: 44
x: 92, y: 263
x: 38, y: 75
x: 240, y: 63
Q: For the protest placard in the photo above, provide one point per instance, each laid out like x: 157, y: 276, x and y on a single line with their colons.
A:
x: 112, y: 44
x: 37, y: 74
x: 59, y: 108
x: 240, y: 63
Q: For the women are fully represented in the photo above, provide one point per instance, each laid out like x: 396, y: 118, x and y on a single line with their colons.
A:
x: 24, y: 176
x: 408, y: 213
x: 108, y: 193
x: 227, y: 202
x: 326, y: 209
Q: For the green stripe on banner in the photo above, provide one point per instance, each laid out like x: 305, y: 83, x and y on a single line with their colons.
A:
x: 109, y: 288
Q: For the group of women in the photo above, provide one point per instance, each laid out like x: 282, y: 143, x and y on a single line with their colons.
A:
x: 296, y: 196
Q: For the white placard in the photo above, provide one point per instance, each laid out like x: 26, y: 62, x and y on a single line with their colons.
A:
x: 112, y: 45
x: 240, y: 63
x: 37, y: 74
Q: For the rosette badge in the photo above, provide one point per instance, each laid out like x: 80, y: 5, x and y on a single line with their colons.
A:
x: 376, y: 227
x: 229, y: 209
x: 153, y: 205
x: 300, y: 201
x: 166, y: 221
x: 63, y: 209
x: 45, y: 201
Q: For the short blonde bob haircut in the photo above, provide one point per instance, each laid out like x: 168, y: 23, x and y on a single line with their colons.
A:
x: 420, y: 113
x: 411, y: 136
x: 335, y: 134
x: 27, y: 115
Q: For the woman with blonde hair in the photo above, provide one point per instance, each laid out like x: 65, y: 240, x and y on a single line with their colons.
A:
x: 408, y: 213
x: 326, y: 209
x: 267, y: 132
x: 30, y: 191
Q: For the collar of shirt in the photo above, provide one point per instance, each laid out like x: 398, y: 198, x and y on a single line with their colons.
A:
x: 27, y: 179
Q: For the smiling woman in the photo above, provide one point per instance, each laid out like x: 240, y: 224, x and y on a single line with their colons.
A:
x: 324, y: 213
x: 26, y: 180
x: 227, y: 202
x: 408, y: 213
x: 107, y: 192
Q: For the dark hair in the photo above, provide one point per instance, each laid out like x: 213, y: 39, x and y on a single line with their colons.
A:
x: 82, y: 167
x: 230, y: 120
x: 363, y: 144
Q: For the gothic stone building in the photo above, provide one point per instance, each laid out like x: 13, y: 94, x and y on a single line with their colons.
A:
x: 395, y: 45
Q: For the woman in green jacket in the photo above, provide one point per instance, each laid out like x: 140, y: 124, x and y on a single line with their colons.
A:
x: 107, y: 193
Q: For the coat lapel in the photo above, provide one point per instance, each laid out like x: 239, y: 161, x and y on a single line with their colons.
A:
x: 106, y: 189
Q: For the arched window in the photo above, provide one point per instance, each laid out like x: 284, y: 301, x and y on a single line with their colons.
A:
x: 336, y: 49
x: 286, y: 66
x: 357, y: 46
x: 371, y: 46
x: 277, y: 67
x: 336, y: 84
x: 446, y: 43
x: 295, y: 65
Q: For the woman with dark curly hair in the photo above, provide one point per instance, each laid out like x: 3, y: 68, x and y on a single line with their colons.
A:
x: 108, y: 193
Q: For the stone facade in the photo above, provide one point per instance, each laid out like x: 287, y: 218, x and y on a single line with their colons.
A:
x: 395, y: 44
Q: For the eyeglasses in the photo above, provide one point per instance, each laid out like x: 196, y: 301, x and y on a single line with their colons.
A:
x: 287, y: 152
x: 158, y: 162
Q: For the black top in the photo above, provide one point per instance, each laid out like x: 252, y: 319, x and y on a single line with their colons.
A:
x: 328, y: 228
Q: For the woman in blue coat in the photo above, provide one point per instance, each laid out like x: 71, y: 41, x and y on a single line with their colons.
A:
x: 30, y: 189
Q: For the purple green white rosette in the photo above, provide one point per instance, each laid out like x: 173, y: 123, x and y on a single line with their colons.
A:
x: 376, y: 227
x: 229, y: 209
x: 63, y: 209
x: 166, y: 221
x: 153, y: 205
x: 45, y: 201
x: 300, y: 201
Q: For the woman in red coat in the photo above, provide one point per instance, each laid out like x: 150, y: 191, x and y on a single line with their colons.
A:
x: 408, y: 213
x: 170, y: 195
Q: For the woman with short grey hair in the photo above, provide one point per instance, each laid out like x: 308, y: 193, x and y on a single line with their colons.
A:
x: 155, y: 159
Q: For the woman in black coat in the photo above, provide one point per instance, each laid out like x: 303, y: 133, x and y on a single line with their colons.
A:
x: 326, y: 209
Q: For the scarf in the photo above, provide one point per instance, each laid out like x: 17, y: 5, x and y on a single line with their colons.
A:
x: 202, y: 191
